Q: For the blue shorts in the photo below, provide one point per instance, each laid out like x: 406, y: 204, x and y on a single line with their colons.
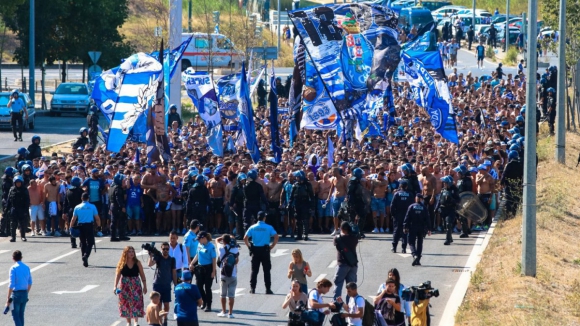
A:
x: 389, y: 199
x: 133, y: 212
x: 324, y: 209
x: 336, y: 201
x: 164, y: 291
x: 378, y: 205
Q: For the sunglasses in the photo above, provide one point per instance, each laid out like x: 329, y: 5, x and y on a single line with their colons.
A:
x: 165, y: 249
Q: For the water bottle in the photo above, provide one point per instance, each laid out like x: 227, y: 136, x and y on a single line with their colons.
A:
x: 117, y: 291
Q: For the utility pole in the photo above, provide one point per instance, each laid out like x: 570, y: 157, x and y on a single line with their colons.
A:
x: 473, y: 15
x: 529, y: 220
x: 31, y: 59
x: 175, y: 30
x: 561, y: 110
x: 189, y: 9
x: 507, y: 26
x: 279, y: 31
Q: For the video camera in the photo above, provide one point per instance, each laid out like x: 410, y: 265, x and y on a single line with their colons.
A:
x: 150, y: 247
x: 421, y: 292
x: 293, y: 316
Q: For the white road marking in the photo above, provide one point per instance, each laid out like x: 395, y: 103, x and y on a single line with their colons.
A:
x: 45, y: 264
x: 239, y: 292
x: 3, y: 251
x: 405, y: 255
x: 320, y: 277
x: 333, y: 264
x: 83, y: 290
x: 279, y: 252
x: 116, y: 323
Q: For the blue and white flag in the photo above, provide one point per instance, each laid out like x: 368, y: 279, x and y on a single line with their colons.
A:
x: 330, y: 146
x: 139, y: 77
x: 318, y: 111
x: 231, y: 147
x: 105, y: 92
x: 227, y: 90
x: 199, y: 86
x: 273, y: 99
x: 246, y: 115
x: 103, y: 133
x: 426, y: 76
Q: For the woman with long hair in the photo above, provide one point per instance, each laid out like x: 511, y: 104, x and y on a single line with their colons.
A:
x: 398, y: 290
x: 130, y: 274
x: 299, y: 269
x: 293, y: 300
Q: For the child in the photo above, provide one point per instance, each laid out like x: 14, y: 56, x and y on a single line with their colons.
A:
x: 154, y: 313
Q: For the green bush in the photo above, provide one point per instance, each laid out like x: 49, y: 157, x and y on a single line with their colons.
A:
x: 511, y: 57
x: 490, y: 53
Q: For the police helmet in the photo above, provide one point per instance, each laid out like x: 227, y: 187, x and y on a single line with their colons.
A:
x: 461, y: 169
x: 118, y: 179
x: 516, y: 136
x: 551, y: 90
x: 519, y: 118
x: 19, y: 179
x: 173, y: 107
x: 20, y: 164
x: 35, y: 137
x: 405, y: 168
x: 358, y: 173
x: 9, y: 171
x: 253, y: 174
x: 403, y: 182
x: 200, y: 180
x: 75, y: 182
x: 300, y: 175
x: 192, y: 174
x: 515, y: 147
x: 242, y: 176
x: 26, y: 167
x: 447, y: 179
x: 409, y: 166
x: 513, y: 155
x: 22, y: 151
x: 83, y: 129
x: 523, y: 110
x: 521, y: 141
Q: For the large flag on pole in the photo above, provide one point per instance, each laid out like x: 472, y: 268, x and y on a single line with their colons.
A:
x: 199, y: 86
x: 139, y: 76
x: 246, y: 115
x: 273, y: 99
x: 330, y: 146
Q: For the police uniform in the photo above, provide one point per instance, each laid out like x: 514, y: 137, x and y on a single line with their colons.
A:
x: 356, y: 203
x: 301, y: 200
x: 16, y: 112
x: 5, y: 221
x: 85, y: 213
x: 73, y: 197
x: 512, y: 181
x: 261, y: 234
x: 254, y: 198
x: 399, y: 206
x: 237, y: 200
x: 198, y: 202
x: 92, y: 123
x: 464, y: 184
x: 118, y: 218
x: 18, y: 205
x: 416, y: 224
x: 447, y: 203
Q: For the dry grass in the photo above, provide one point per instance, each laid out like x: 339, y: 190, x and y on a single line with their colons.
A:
x: 498, y: 294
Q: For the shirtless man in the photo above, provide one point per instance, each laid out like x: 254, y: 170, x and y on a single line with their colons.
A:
x: 217, y: 189
x: 273, y: 191
x: 485, y: 185
x: 338, y: 193
x: 228, y: 195
x: 261, y: 181
x: 378, y: 202
x: 324, y: 208
x: 429, y: 183
x: 314, y: 184
x: 438, y: 175
x: 149, y: 192
x: 164, y: 195
x: 36, y: 194
x: 52, y: 201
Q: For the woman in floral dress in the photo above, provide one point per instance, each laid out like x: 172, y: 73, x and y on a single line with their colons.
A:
x: 128, y: 280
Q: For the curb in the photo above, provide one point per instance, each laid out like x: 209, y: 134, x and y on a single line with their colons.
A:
x: 460, y: 289
x: 11, y: 157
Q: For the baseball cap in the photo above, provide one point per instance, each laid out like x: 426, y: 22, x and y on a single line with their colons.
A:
x: 186, y: 275
x: 194, y: 224
x: 201, y: 234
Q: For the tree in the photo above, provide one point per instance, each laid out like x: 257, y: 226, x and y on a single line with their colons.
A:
x: 550, y: 14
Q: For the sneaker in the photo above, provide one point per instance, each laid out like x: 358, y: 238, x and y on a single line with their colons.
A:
x: 56, y: 234
x: 47, y: 234
x: 100, y: 234
x: 387, y: 230
x: 139, y: 232
x: 33, y: 234
x: 43, y: 232
x: 478, y: 228
x: 333, y: 233
x: 133, y: 233
x: 485, y: 227
x: 23, y: 239
x: 231, y: 316
x: 222, y: 314
x: 375, y: 230
x: 439, y: 229
x: 382, y: 230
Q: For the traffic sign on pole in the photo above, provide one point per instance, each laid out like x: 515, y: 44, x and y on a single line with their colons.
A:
x: 94, y: 55
x: 95, y: 70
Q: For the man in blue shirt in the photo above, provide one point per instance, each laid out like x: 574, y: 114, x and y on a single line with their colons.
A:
x: 18, y: 288
x: 86, y: 214
x: 17, y: 110
x: 260, y: 250
x: 187, y: 299
x: 190, y: 239
x: 480, y: 54
x: 95, y: 187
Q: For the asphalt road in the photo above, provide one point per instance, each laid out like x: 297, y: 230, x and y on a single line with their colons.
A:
x: 51, y: 130
x: 56, y: 267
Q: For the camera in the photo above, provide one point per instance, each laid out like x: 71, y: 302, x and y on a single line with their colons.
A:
x: 421, y: 292
x: 150, y: 247
x: 293, y: 316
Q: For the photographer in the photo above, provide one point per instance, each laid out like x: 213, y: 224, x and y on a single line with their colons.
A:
x: 17, y: 110
x: 347, y: 262
x: 164, y: 274
x: 205, y: 271
x: 316, y: 302
x: 389, y: 304
x: 229, y: 257
x: 294, y: 300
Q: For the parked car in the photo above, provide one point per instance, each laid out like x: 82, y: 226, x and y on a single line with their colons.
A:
x: 5, y: 111
x: 514, y: 33
x: 70, y: 98
x: 501, y: 19
x: 414, y: 16
x: 445, y: 12
x: 478, y: 12
x: 434, y: 4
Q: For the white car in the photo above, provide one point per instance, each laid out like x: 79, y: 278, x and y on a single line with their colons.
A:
x: 478, y: 12
x: 446, y: 11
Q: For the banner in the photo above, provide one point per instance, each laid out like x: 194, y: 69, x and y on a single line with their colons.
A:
x: 199, y: 86
x: 246, y: 115
x: 273, y: 99
x: 318, y: 111
x: 139, y: 76
x: 227, y: 92
x: 106, y: 91
x: 158, y: 149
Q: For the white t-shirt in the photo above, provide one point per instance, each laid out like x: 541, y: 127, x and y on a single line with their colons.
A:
x: 314, y: 295
x: 222, y: 252
x: 180, y: 256
x: 353, y: 305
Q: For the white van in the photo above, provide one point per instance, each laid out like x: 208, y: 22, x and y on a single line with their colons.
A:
x: 467, y: 21
x: 201, y: 48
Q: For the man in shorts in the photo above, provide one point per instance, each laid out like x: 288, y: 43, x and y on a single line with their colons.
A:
x: 164, y: 195
x: 378, y: 202
x: 36, y: 194
x: 453, y: 47
x: 228, y: 284
x: 480, y: 53
x: 338, y: 192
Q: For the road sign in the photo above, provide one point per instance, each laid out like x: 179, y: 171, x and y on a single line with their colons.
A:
x: 94, y: 55
x: 267, y: 53
x: 94, y: 71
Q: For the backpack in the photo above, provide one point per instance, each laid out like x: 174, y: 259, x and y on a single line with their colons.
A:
x: 227, y: 263
x: 368, y: 318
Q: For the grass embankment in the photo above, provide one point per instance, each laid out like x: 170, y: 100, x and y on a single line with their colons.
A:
x: 516, y: 6
x: 498, y: 294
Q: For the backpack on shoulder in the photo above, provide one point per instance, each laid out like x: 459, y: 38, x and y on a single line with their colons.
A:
x: 227, y: 263
x: 368, y: 318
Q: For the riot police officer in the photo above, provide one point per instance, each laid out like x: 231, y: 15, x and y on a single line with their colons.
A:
x: 260, y: 234
x: 551, y: 99
x: 18, y: 204
x: 355, y: 200
x: 198, y: 201
x: 93, y: 124
x: 447, y: 204
x: 73, y: 197
x: 254, y: 199
x: 465, y: 183
x: 512, y: 182
x: 7, y: 184
x: 415, y: 226
x: 412, y: 179
x: 237, y: 200
x: 118, y: 204
x: 34, y: 150
x: 301, y: 200
x: 402, y: 199
x: 81, y: 141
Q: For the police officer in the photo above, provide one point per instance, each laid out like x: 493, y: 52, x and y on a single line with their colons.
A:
x: 551, y: 100
x: 86, y: 214
x: 7, y: 184
x: 415, y: 226
x: 254, y: 199
x: 198, y: 201
x: 447, y: 204
x: 81, y: 141
x: 512, y: 182
x: 301, y: 200
x: 34, y: 150
x: 93, y: 124
x: 119, y: 214
x: 412, y: 179
x: 465, y: 183
x: 355, y: 201
x: 237, y: 201
x: 260, y: 250
x: 17, y: 110
x: 73, y: 197
x: 402, y: 199
x: 18, y: 204
x: 27, y: 174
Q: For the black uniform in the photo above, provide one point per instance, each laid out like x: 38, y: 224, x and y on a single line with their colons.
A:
x: 72, y: 198
x: 301, y: 199
x: 447, y: 204
x: 93, y: 124
x: 5, y: 221
x: 254, y: 201
x: 464, y: 184
x: 34, y: 151
x: 512, y: 181
x: 18, y: 204
x: 413, y: 186
x: 118, y: 217
x: 81, y: 141
x: 357, y: 196
x: 416, y: 224
x: 402, y: 199
x: 551, y: 113
x: 470, y: 37
x: 197, y: 204
x: 493, y: 36
x: 173, y: 116
x: 237, y: 200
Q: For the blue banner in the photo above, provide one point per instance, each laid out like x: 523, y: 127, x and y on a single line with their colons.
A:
x: 105, y: 92
x: 246, y: 115
x: 273, y: 99
x: 318, y: 111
